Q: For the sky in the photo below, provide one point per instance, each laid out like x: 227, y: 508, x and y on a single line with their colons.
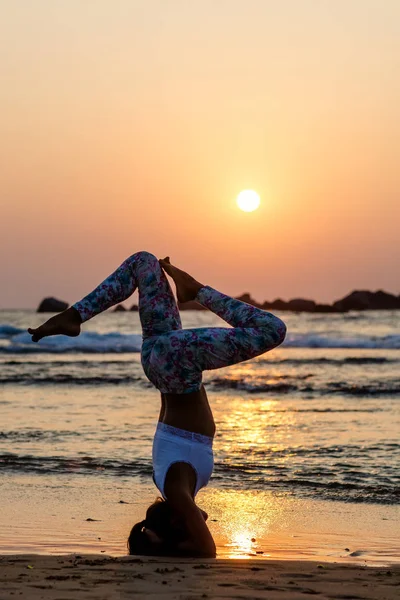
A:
x: 130, y: 125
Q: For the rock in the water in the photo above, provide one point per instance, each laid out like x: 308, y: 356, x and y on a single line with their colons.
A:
x: 298, y: 305
x: 277, y: 304
x: 357, y: 300
x: 119, y: 308
x: 52, y: 305
x: 301, y: 305
x: 324, y: 308
x: 248, y: 299
x: 365, y: 300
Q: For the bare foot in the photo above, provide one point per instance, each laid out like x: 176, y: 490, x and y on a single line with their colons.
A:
x: 65, y: 323
x: 186, y: 286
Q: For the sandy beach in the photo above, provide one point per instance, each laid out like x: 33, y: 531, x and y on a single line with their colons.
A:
x: 105, y: 578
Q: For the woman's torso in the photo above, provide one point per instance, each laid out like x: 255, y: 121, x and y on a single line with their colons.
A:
x: 182, y: 447
x: 191, y: 412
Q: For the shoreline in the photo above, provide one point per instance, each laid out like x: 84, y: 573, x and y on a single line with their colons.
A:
x: 92, y: 576
x: 56, y: 515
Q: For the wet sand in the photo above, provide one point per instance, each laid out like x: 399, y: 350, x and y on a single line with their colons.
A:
x: 59, y: 515
x: 105, y: 578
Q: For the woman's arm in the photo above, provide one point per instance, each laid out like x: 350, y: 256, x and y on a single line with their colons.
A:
x: 200, y: 541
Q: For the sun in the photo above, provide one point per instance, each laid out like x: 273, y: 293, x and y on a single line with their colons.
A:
x: 248, y: 200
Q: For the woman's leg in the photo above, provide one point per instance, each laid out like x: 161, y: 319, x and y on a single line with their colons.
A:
x: 158, y: 311
x: 181, y: 356
x: 254, y: 331
x: 240, y: 315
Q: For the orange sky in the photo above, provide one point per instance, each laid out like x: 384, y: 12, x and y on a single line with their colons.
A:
x: 133, y: 124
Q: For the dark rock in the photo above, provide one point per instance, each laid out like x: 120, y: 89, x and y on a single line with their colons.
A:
x: 390, y: 301
x: 384, y: 301
x: 301, y: 305
x: 357, y: 300
x: 248, y: 299
x: 52, y: 305
x: 324, y: 308
x: 277, y: 304
x: 365, y: 300
x: 119, y: 308
x: 298, y: 305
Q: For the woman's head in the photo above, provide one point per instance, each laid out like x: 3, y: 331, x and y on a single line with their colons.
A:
x: 159, y: 533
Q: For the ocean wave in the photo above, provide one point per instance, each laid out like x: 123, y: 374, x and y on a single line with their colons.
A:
x: 89, y: 342
x: 307, y: 340
x: 36, y: 434
x: 348, y: 481
x: 15, y: 340
x: 252, y: 386
x: 77, y: 465
x: 8, y: 331
x: 280, y: 385
x: 89, y: 362
x: 356, y: 360
x: 378, y: 388
x: 65, y: 379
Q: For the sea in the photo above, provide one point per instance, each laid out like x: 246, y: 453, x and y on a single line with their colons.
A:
x: 307, y: 449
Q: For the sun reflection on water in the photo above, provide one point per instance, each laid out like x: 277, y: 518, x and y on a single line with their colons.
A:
x: 242, y: 543
x: 251, y: 430
x: 254, y: 427
x: 243, y: 520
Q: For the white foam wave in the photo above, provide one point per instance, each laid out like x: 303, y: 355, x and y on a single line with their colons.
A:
x: 9, y: 330
x: 87, y: 342
x: 15, y: 340
x: 320, y: 341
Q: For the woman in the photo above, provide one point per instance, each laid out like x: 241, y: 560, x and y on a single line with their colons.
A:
x: 173, y: 359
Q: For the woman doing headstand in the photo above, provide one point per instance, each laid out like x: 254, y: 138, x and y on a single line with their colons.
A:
x: 173, y: 359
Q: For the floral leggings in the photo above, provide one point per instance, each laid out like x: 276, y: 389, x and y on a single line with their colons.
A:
x: 174, y: 358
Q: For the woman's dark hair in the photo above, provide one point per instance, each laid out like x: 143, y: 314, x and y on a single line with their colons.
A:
x: 159, y: 519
